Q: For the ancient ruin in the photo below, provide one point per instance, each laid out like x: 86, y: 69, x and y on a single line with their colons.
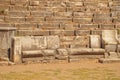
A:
x: 55, y: 30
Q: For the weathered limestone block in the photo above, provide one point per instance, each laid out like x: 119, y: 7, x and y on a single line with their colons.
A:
x: 69, y: 26
x: 98, y: 51
x: 33, y: 53
x: 96, y: 32
x: 1, y: 18
x: 19, y: 2
x: 75, y: 9
x: 18, y: 8
x: 58, y: 19
x: 110, y: 48
x: 32, y: 32
x: 40, y: 42
x: 34, y: 19
x: 82, y: 32
x: 89, y: 26
x: 95, y: 41
x: 34, y: 3
x: 26, y: 43
x: 83, y: 15
x: 50, y: 26
x: 49, y: 52
x: 5, y: 2
x: 31, y: 43
x: 79, y: 51
x: 16, y: 55
x: 63, y: 14
x: 15, y: 19
x: 80, y: 41
x: 67, y: 38
x: 53, y: 42
x: 107, y: 26
x: 59, y: 9
x: 41, y: 14
x: 62, y: 32
x: 56, y: 32
x: 69, y: 33
x: 115, y: 8
x: 83, y: 20
x: 62, y: 54
x: 18, y: 13
x: 26, y: 26
x: 74, y: 4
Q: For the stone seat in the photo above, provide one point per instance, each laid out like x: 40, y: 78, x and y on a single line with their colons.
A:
x: 86, y: 51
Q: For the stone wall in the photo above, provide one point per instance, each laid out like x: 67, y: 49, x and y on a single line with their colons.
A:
x: 66, y: 18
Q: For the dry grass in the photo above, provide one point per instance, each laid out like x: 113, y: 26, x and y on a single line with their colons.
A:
x: 57, y: 74
x: 83, y: 70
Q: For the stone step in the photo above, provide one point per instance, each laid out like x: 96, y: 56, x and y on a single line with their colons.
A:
x: 113, y: 55
x: 109, y: 60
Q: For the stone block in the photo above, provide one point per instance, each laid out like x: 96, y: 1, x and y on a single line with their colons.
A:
x: 69, y: 26
x: 19, y: 2
x: 53, y: 42
x: 50, y: 26
x: 33, y: 43
x: 58, y: 19
x: 18, y: 13
x: 74, y: 4
x: 82, y: 20
x: 41, y: 14
x: 15, y: 19
x: 82, y: 32
x: 98, y: 51
x: 18, y: 8
x: 95, y: 41
x: 26, y: 26
x: 75, y: 9
x: 59, y: 9
x: 67, y: 38
x: 16, y: 55
x: 33, y: 53
x: 82, y: 15
x: 102, y: 20
x: 6, y: 25
x: 35, y: 19
x: 88, y: 26
x: 115, y: 8
x: 5, y: 2
x: 79, y: 51
x: 62, y: 52
x: 107, y: 26
x: 68, y: 33
x: 116, y: 20
x: 34, y: 3
x: 56, y: 32
x: 49, y: 52
x: 1, y: 18
x: 80, y: 41
x: 111, y: 48
x: 96, y: 32
x: 32, y: 32
x: 63, y: 14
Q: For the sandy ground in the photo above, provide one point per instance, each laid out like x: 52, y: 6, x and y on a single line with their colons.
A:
x: 85, y: 63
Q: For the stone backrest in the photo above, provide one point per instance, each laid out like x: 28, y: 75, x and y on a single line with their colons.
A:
x: 39, y: 42
x: 109, y: 36
x: 95, y: 41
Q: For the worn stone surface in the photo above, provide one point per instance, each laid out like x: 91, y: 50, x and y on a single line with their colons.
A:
x: 53, y: 42
x: 95, y: 41
x: 16, y: 55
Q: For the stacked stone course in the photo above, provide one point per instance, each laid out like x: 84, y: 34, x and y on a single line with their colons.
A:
x: 65, y: 18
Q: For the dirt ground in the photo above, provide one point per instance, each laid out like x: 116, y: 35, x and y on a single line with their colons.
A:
x: 63, y: 66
